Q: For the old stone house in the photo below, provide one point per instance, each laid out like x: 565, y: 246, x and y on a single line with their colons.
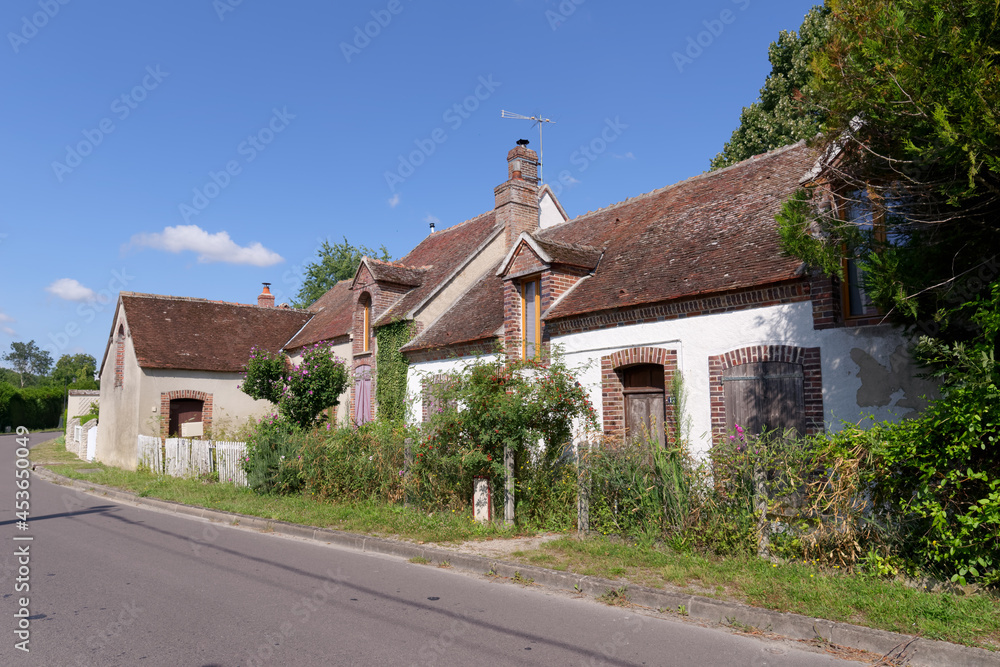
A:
x: 172, y: 367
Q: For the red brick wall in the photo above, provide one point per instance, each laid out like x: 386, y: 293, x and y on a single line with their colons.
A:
x: 517, y: 198
x: 812, y: 375
x: 206, y: 408
x: 612, y: 385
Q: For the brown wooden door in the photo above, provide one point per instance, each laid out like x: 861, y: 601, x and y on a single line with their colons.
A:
x: 644, y: 402
x: 644, y: 416
x: 765, y: 395
x: 183, y: 411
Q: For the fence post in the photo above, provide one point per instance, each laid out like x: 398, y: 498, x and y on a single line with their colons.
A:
x: 508, y: 496
x: 407, y: 464
x: 583, y: 487
x: 760, y: 507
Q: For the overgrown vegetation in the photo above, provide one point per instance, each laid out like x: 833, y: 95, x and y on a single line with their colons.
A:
x: 391, y: 367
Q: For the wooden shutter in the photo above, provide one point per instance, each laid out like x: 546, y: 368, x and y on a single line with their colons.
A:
x: 766, y: 394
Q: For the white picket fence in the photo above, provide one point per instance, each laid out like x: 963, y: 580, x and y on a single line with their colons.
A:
x: 184, y: 457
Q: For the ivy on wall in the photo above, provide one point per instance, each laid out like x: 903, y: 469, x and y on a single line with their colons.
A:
x: 390, y: 370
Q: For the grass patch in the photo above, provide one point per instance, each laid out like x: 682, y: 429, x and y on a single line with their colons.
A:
x: 419, y: 560
x: 801, y: 588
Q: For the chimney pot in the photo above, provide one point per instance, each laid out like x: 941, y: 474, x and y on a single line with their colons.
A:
x: 265, y: 299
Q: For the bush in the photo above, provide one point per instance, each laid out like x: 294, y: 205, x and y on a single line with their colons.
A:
x: 347, y: 463
x: 272, y: 446
x: 32, y: 407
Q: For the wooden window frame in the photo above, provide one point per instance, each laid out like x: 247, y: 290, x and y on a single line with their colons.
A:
x: 879, y: 231
x: 367, y: 327
x: 537, y: 281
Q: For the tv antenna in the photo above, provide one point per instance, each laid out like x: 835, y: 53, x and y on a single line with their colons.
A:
x: 538, y: 121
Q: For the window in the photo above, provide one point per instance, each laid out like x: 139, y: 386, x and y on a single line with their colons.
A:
x: 531, y: 318
x: 643, y: 386
x: 368, y: 327
x: 860, y: 211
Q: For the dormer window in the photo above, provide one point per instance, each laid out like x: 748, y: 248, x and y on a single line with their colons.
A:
x: 531, y: 317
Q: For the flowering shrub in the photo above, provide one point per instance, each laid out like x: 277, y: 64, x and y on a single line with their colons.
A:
x: 272, y: 445
x: 302, y: 391
x: 493, y: 404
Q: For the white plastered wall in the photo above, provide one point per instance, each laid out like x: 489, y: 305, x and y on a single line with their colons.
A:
x: 696, y: 339
x: 418, y: 372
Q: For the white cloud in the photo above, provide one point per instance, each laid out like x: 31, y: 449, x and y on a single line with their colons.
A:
x: 6, y: 318
x: 216, y: 247
x: 431, y: 220
x: 394, y: 201
x: 627, y: 156
x: 9, y: 331
x: 569, y: 180
x: 71, y: 290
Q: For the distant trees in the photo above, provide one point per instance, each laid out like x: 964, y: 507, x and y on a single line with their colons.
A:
x: 76, y: 371
x: 336, y: 262
x: 28, y: 361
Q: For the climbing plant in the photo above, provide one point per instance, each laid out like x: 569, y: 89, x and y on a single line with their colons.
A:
x: 391, y: 369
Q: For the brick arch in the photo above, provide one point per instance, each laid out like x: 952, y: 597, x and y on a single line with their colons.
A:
x: 812, y: 380
x: 612, y: 385
x: 167, y: 396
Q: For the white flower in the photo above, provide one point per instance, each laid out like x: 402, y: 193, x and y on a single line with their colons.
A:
x: 371, y: 457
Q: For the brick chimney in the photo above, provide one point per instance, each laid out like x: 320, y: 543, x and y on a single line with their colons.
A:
x: 265, y: 299
x: 517, y: 198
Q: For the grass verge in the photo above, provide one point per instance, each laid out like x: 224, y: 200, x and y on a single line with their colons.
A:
x: 802, y: 588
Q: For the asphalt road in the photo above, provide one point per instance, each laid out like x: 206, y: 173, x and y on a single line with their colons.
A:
x: 112, y: 584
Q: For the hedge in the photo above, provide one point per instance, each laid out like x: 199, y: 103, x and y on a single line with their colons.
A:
x: 31, y: 407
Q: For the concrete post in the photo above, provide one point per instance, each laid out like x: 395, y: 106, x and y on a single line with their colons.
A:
x: 583, y: 488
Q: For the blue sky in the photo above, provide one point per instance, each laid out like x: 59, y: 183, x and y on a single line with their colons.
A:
x: 201, y: 147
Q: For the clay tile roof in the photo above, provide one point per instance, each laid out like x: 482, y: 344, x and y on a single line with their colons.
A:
x: 475, y: 316
x: 711, y: 233
x: 334, y: 312
x: 439, y: 255
x: 197, y: 334
x: 570, y: 253
x: 397, y: 274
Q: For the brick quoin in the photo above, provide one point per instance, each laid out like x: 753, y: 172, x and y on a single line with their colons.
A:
x: 812, y: 381
x: 207, y: 408
x: 613, y: 367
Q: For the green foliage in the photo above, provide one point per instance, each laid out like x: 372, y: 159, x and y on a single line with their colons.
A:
x: 272, y: 446
x: 912, y: 91
x: 336, y: 262
x: 31, y: 407
x: 795, y: 225
x: 75, y: 371
x: 347, y: 463
x: 301, y: 391
x: 782, y: 115
x: 640, y: 489
x: 391, y: 367
x: 28, y: 361
x: 492, y: 404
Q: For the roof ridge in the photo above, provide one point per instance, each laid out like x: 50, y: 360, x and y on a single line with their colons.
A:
x: 169, y: 297
x: 704, y: 175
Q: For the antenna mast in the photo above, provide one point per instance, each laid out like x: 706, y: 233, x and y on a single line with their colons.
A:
x: 538, y: 121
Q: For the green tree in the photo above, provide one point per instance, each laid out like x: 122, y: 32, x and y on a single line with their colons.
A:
x: 76, y: 370
x: 782, y: 115
x: 301, y: 391
x: 336, y: 262
x: 911, y: 89
x: 28, y: 361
